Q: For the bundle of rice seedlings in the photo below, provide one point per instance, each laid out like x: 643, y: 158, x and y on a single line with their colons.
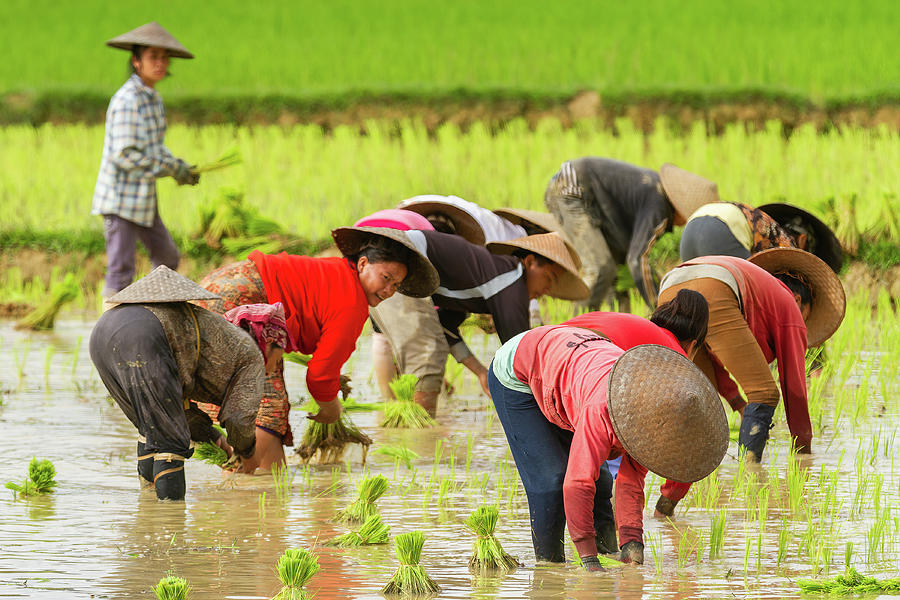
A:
x: 40, y: 480
x: 296, y: 357
x: 369, y: 489
x: 410, y: 578
x: 349, y: 404
x: 329, y: 440
x: 489, y: 554
x: 404, y: 413
x: 851, y: 582
x: 229, y: 158
x: 373, y: 531
x: 172, y: 588
x: 43, y: 317
x: 210, y: 453
x: 295, y: 568
x: 401, y: 453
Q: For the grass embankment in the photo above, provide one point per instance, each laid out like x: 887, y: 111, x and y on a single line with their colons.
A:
x: 306, y: 57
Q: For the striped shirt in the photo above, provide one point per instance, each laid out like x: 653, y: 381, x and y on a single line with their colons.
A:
x: 133, y: 154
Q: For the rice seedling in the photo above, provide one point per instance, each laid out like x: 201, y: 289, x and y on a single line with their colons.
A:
x: 283, y: 477
x: 717, y: 522
x: 784, y: 538
x: 444, y: 489
x: 48, y: 360
x: 403, y: 412
x: 851, y: 582
x: 329, y: 440
x: 399, y: 454
x: 848, y: 555
x: 44, y: 315
x: 261, y: 506
x: 488, y: 555
x: 655, y: 544
x: 373, y: 531
x: 172, y: 588
x: 229, y: 158
x: 210, y: 453
x: 369, y: 489
x: 295, y: 568
x: 41, y: 479
x: 410, y: 578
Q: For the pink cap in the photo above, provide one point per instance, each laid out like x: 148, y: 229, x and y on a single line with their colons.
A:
x: 395, y: 218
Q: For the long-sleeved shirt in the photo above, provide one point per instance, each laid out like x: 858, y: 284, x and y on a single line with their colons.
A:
x: 325, y: 308
x: 775, y: 321
x: 225, y: 368
x: 627, y: 331
x: 567, y: 370
x: 134, y: 155
x: 473, y: 280
x: 629, y: 206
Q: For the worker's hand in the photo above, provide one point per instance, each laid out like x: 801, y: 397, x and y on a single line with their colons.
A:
x: 346, y: 388
x: 329, y: 412
x: 664, y: 508
x: 222, y: 443
x: 184, y: 174
x: 591, y: 563
x: 483, y: 379
x: 234, y: 464
x: 632, y: 552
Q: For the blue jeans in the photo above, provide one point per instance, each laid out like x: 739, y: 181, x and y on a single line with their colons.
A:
x: 541, y: 452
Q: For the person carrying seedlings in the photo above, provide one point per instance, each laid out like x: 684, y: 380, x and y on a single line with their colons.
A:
x: 569, y: 400
x: 735, y: 229
x: 499, y: 280
x: 772, y: 307
x: 326, y: 303
x: 134, y: 157
x: 679, y: 324
x: 155, y: 352
x: 613, y: 212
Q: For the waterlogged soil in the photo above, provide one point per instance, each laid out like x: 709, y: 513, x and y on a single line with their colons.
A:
x: 100, y: 536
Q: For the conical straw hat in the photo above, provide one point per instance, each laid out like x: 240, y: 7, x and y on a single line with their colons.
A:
x: 686, y: 191
x: 421, y: 278
x: 530, y: 219
x: 162, y: 284
x: 666, y: 413
x: 826, y: 245
x: 828, y: 300
x: 151, y: 34
x: 466, y: 225
x: 551, y: 246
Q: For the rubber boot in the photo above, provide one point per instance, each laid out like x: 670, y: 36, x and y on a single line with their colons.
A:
x: 755, y: 428
x: 607, y: 543
x: 168, y: 476
x: 144, y: 464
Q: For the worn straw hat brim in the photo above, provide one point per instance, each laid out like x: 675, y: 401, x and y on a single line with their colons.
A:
x: 686, y: 191
x: 162, y: 284
x: 466, y: 225
x: 666, y: 413
x: 421, y: 278
x: 151, y: 34
x: 530, y: 219
x: 828, y: 299
x: 554, y: 247
x: 827, y: 246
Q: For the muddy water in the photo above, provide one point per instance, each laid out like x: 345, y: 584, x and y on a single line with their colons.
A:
x: 100, y: 536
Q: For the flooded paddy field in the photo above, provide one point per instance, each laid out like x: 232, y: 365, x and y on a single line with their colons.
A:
x: 746, y: 531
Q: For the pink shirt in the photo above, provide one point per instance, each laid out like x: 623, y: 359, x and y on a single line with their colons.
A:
x: 567, y: 369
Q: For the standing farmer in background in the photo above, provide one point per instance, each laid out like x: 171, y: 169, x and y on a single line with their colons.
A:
x: 134, y: 156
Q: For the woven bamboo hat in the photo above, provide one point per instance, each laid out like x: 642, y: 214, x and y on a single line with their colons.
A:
x: 421, y: 278
x: 151, y: 34
x: 666, y: 413
x: 162, y: 284
x: 828, y: 300
x: 554, y: 247
x: 824, y: 243
x: 530, y: 219
x: 465, y: 224
x: 686, y: 191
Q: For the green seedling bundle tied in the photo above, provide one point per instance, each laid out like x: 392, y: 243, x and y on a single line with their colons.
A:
x: 373, y: 531
x: 172, y: 588
x: 330, y: 439
x: 40, y: 480
x: 405, y: 413
x: 851, y: 582
x: 43, y: 317
x: 489, y: 554
x: 369, y: 490
x: 295, y: 568
x: 210, y: 453
x: 410, y: 579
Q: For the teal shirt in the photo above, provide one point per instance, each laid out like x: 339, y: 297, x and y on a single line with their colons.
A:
x: 502, y: 365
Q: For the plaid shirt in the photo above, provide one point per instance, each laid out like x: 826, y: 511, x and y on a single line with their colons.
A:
x: 133, y: 154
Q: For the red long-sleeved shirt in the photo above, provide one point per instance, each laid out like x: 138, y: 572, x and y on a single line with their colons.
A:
x: 627, y: 331
x: 325, y: 307
x: 567, y: 369
x: 775, y: 321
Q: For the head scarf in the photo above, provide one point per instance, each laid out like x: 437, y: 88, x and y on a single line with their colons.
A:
x: 265, y: 322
